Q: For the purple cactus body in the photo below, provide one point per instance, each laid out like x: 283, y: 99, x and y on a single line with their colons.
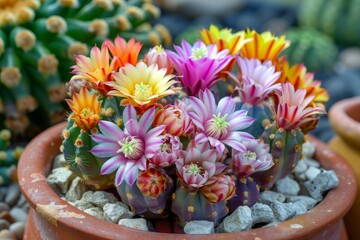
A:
x: 247, y: 193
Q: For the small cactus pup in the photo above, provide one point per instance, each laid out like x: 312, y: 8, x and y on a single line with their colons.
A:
x: 8, y: 158
x: 38, y: 42
x: 77, y: 143
x: 285, y: 135
x: 202, y: 189
x: 255, y: 158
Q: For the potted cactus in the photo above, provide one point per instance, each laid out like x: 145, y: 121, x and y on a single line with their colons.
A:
x: 179, y: 136
x: 38, y: 42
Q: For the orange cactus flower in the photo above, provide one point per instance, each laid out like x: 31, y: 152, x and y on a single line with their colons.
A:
x: 124, y: 52
x: 96, y: 69
x: 141, y: 85
x: 300, y: 78
x: 264, y: 46
x: 85, y: 108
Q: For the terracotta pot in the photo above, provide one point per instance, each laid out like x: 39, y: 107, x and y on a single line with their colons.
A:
x: 53, y: 218
x: 344, y: 117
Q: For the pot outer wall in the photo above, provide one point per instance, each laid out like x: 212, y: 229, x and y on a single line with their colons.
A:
x: 52, y: 218
x: 344, y: 117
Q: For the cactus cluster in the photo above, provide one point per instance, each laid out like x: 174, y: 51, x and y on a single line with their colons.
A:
x: 314, y: 49
x: 8, y: 158
x: 172, y: 139
x: 338, y: 19
x: 38, y: 42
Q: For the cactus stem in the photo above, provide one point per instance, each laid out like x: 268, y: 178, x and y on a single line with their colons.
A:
x: 79, y: 143
x: 77, y: 48
x: 2, y: 46
x: 17, y: 124
x: 69, y: 3
x: 191, y: 209
x: 99, y: 27
x: 61, y: 148
x: 25, y: 14
x: 154, y: 38
x: 10, y: 76
x: 136, y: 12
x: 57, y: 93
x: 65, y: 134
x: 5, y: 134
x: 164, y: 33
x: 105, y: 4
x: 150, y: 8
x: 122, y: 23
x: 26, y: 104
x: 56, y: 24
x: 25, y: 40
x: 48, y: 64
x: 213, y: 214
x: 129, y: 195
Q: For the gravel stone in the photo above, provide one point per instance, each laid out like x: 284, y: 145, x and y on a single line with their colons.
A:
x: 4, y: 207
x: 18, y: 229
x: 60, y: 161
x: 269, y: 197
x: 7, y: 235
x: 199, y: 227
x: 13, y: 194
x: 309, y: 201
x: 261, y: 213
x: 82, y: 205
x: 60, y: 179
x: 4, y: 224
x: 311, y: 162
x: 308, y: 149
x: 300, y: 207
x: 300, y: 168
x: 312, y: 172
x: 18, y: 214
x: 287, y: 186
x: 100, y: 198
x: 283, y: 211
x: 76, y: 190
x: 136, y: 223
x: 239, y: 220
x: 324, y: 181
x: 113, y: 212
x: 96, y: 212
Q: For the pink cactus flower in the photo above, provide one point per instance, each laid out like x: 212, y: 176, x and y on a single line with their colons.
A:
x: 168, y: 152
x: 294, y: 108
x: 219, y: 188
x: 198, y: 66
x: 219, y: 124
x: 127, y: 150
x: 255, y: 158
x: 157, y: 55
x: 255, y: 80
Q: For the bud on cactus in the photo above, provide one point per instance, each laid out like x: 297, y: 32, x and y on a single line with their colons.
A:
x: 150, y: 195
x: 219, y: 188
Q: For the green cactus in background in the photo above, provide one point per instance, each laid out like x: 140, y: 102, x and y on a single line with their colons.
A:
x: 338, y: 19
x: 38, y: 40
x: 8, y: 158
x: 314, y: 49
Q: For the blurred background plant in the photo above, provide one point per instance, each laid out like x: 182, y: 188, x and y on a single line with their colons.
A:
x: 38, y: 40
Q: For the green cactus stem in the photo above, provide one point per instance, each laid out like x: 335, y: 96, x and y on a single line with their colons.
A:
x: 285, y: 147
x: 189, y: 206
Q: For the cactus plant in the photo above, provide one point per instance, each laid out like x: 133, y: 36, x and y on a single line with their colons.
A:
x: 8, y: 158
x: 38, y: 41
x: 314, y: 49
x: 338, y: 19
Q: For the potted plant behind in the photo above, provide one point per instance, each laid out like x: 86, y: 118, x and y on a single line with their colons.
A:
x: 194, y: 145
x: 344, y: 119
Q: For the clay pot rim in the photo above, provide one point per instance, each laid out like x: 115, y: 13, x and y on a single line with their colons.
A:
x: 343, y: 122
x: 34, y: 164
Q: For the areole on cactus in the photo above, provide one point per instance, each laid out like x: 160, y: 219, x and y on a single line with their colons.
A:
x: 38, y: 43
x: 172, y: 140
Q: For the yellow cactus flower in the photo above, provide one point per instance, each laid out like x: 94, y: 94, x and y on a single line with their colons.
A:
x: 85, y: 108
x: 300, y: 78
x: 264, y: 46
x: 15, y: 12
x: 141, y: 85
x: 96, y: 69
x: 224, y: 39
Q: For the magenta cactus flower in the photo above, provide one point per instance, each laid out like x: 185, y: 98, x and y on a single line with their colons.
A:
x: 220, y: 124
x: 294, y: 108
x: 195, y: 168
x: 198, y: 66
x: 127, y: 150
x: 255, y: 80
x: 168, y: 152
x: 255, y: 158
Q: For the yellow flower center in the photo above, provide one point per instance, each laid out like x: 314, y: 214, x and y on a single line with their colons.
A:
x: 143, y: 91
x: 131, y: 147
x: 249, y: 155
x: 159, y: 49
x: 217, y: 126
x: 87, y: 112
x: 194, y: 169
x: 197, y: 53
